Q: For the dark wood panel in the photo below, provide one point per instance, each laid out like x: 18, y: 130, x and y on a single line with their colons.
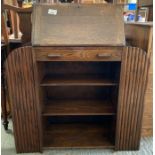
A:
x: 78, y: 136
x: 79, y: 80
x: 79, y: 92
x: 131, y: 98
x: 78, y: 107
x: 25, y: 108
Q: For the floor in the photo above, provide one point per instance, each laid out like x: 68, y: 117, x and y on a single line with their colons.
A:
x: 8, y: 147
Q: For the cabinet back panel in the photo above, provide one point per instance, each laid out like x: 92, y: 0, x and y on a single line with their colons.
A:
x: 107, y: 69
x: 78, y: 92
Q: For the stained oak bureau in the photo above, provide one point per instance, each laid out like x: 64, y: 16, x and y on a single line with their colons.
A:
x: 78, y: 85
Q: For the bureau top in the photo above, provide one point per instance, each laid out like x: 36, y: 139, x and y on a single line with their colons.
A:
x: 77, y: 25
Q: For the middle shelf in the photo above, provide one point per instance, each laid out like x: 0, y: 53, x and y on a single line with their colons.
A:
x: 78, y: 107
x: 77, y: 80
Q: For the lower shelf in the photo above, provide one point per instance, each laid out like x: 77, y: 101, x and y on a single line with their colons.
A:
x: 77, y: 135
x: 78, y: 107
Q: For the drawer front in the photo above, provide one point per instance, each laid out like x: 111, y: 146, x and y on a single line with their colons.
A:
x: 77, y: 55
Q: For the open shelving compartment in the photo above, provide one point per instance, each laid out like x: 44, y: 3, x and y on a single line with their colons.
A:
x: 79, y: 103
x: 78, y: 132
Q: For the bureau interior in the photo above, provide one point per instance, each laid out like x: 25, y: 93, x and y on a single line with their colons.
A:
x: 78, y: 72
x: 79, y: 101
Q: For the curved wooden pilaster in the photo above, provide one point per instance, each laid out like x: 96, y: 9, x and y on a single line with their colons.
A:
x: 23, y: 96
x: 134, y: 70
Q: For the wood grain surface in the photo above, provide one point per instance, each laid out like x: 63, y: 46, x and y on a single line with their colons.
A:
x: 25, y: 107
x: 77, y: 80
x: 78, y: 135
x: 78, y: 107
x: 75, y: 24
x: 85, y: 54
x: 133, y: 82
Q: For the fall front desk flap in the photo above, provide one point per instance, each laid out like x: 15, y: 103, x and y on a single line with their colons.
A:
x: 78, y: 25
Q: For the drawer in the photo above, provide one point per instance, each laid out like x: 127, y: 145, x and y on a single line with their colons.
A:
x: 48, y: 54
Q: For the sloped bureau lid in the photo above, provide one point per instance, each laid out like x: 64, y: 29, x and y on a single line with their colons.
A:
x: 78, y: 25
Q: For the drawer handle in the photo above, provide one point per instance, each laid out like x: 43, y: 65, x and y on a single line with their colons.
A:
x: 103, y: 55
x: 54, y: 55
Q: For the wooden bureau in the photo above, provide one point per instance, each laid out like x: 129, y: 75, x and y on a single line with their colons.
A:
x: 77, y: 96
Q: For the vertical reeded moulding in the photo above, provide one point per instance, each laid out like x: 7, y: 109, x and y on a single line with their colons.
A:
x: 134, y: 71
x: 21, y: 81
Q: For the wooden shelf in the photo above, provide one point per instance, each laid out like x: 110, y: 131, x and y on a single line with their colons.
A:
x: 78, y: 107
x: 77, y: 135
x: 80, y: 80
